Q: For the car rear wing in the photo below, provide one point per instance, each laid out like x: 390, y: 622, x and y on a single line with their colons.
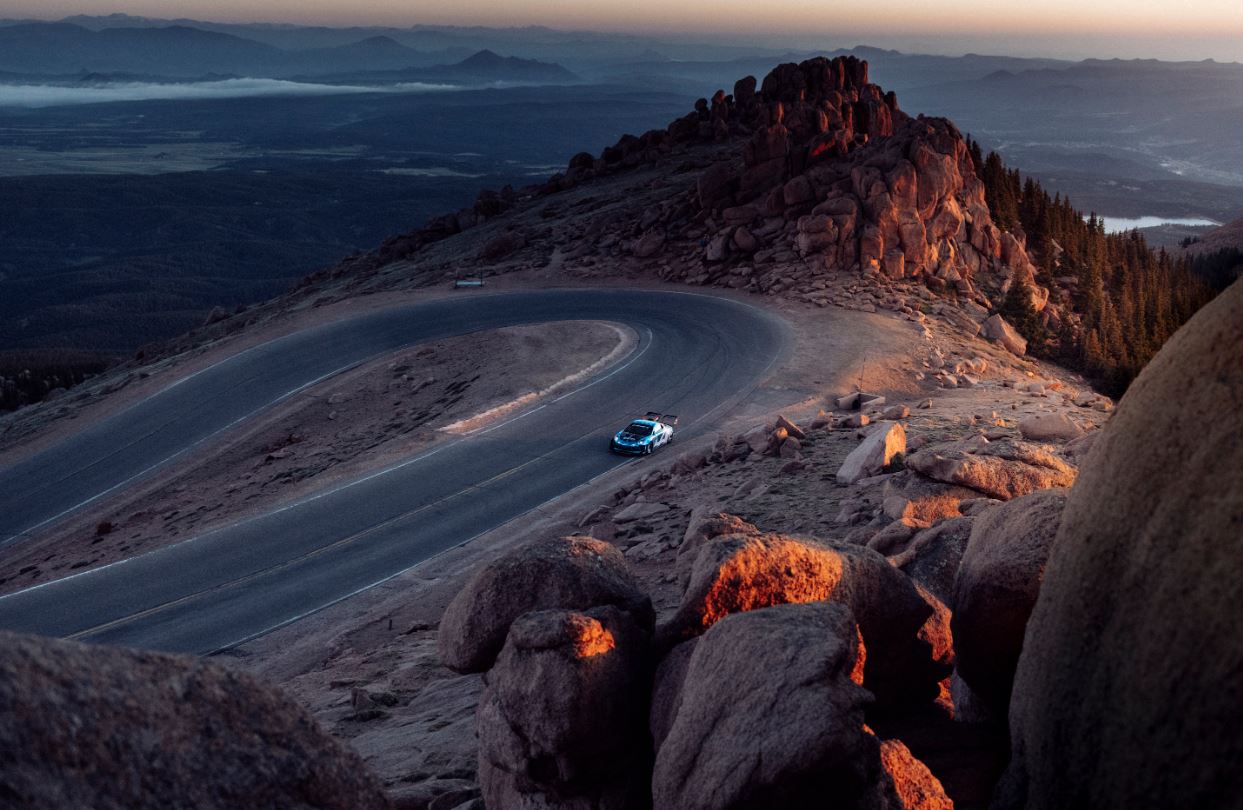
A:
x: 657, y: 416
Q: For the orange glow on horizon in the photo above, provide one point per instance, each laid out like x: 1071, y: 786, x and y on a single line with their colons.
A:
x: 1105, y: 28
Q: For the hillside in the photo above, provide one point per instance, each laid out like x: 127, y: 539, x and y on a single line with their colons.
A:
x: 824, y: 596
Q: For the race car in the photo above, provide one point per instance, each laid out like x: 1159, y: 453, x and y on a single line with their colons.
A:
x: 643, y: 436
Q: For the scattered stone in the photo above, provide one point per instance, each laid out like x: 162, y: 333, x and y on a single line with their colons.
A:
x: 996, y: 328
x: 1049, y: 427
x: 895, y: 412
x: 790, y: 428
x: 874, y: 454
x: 640, y: 511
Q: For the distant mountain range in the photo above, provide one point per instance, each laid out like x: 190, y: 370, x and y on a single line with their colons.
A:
x: 42, y: 49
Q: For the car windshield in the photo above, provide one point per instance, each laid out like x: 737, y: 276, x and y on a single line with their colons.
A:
x: 639, y: 429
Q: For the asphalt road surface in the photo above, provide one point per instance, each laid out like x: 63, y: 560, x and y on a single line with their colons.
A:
x: 697, y: 356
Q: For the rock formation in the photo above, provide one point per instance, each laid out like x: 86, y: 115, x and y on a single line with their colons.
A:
x: 771, y: 715
x: 996, y: 588
x: 738, y: 573
x: 1126, y: 693
x: 565, y: 572
x: 562, y: 722
x: 85, y: 726
x: 810, y: 174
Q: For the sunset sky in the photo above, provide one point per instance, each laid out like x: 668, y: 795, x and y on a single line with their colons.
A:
x: 1190, y: 29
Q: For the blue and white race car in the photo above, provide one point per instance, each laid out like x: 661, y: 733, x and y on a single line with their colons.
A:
x: 643, y: 436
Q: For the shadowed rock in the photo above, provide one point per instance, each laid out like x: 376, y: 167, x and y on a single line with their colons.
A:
x: 564, y: 572
x: 996, y: 588
x: 84, y: 726
x: 562, y: 721
x: 771, y: 715
x: 1127, y: 691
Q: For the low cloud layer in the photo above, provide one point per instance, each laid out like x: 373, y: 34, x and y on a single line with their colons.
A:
x: 47, y: 95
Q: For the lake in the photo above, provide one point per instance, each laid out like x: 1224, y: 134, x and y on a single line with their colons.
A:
x: 1118, y: 224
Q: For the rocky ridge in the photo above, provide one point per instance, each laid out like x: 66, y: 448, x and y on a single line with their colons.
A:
x: 812, y: 184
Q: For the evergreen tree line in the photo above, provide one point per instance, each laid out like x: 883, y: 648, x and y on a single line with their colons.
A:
x: 1130, y: 297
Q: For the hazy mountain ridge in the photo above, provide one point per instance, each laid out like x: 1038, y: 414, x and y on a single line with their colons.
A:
x: 184, y: 51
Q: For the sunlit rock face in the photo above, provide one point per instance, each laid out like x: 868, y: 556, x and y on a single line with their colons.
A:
x: 1127, y: 690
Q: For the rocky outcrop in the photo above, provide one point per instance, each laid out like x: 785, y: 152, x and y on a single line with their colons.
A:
x: 996, y: 588
x: 1126, y: 692
x: 771, y: 715
x: 86, y: 726
x: 561, y: 723
x: 1002, y: 469
x: 565, y: 572
x: 739, y: 573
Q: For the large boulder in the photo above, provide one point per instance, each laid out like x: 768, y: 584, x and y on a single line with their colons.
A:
x: 739, y: 573
x: 86, y: 726
x: 1049, y: 427
x: 573, y: 573
x: 771, y: 715
x: 1003, y: 469
x: 997, y: 329
x: 933, y: 555
x: 996, y: 588
x: 561, y: 723
x: 883, y: 445
x: 1127, y: 694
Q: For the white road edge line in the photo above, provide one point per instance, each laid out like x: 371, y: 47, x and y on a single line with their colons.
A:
x: 316, y: 496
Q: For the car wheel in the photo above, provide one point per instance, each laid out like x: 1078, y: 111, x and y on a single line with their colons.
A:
x: 647, y: 449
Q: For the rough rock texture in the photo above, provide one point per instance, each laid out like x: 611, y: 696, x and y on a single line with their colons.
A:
x: 1003, y: 469
x: 997, y: 585
x: 996, y: 328
x: 771, y: 716
x: 84, y: 726
x: 738, y: 573
x: 882, y: 446
x: 564, y: 572
x: 933, y: 556
x: 705, y: 526
x: 562, y: 721
x: 1049, y: 427
x: 907, y: 784
x: 1127, y: 690
x: 667, y: 689
x: 922, y: 502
